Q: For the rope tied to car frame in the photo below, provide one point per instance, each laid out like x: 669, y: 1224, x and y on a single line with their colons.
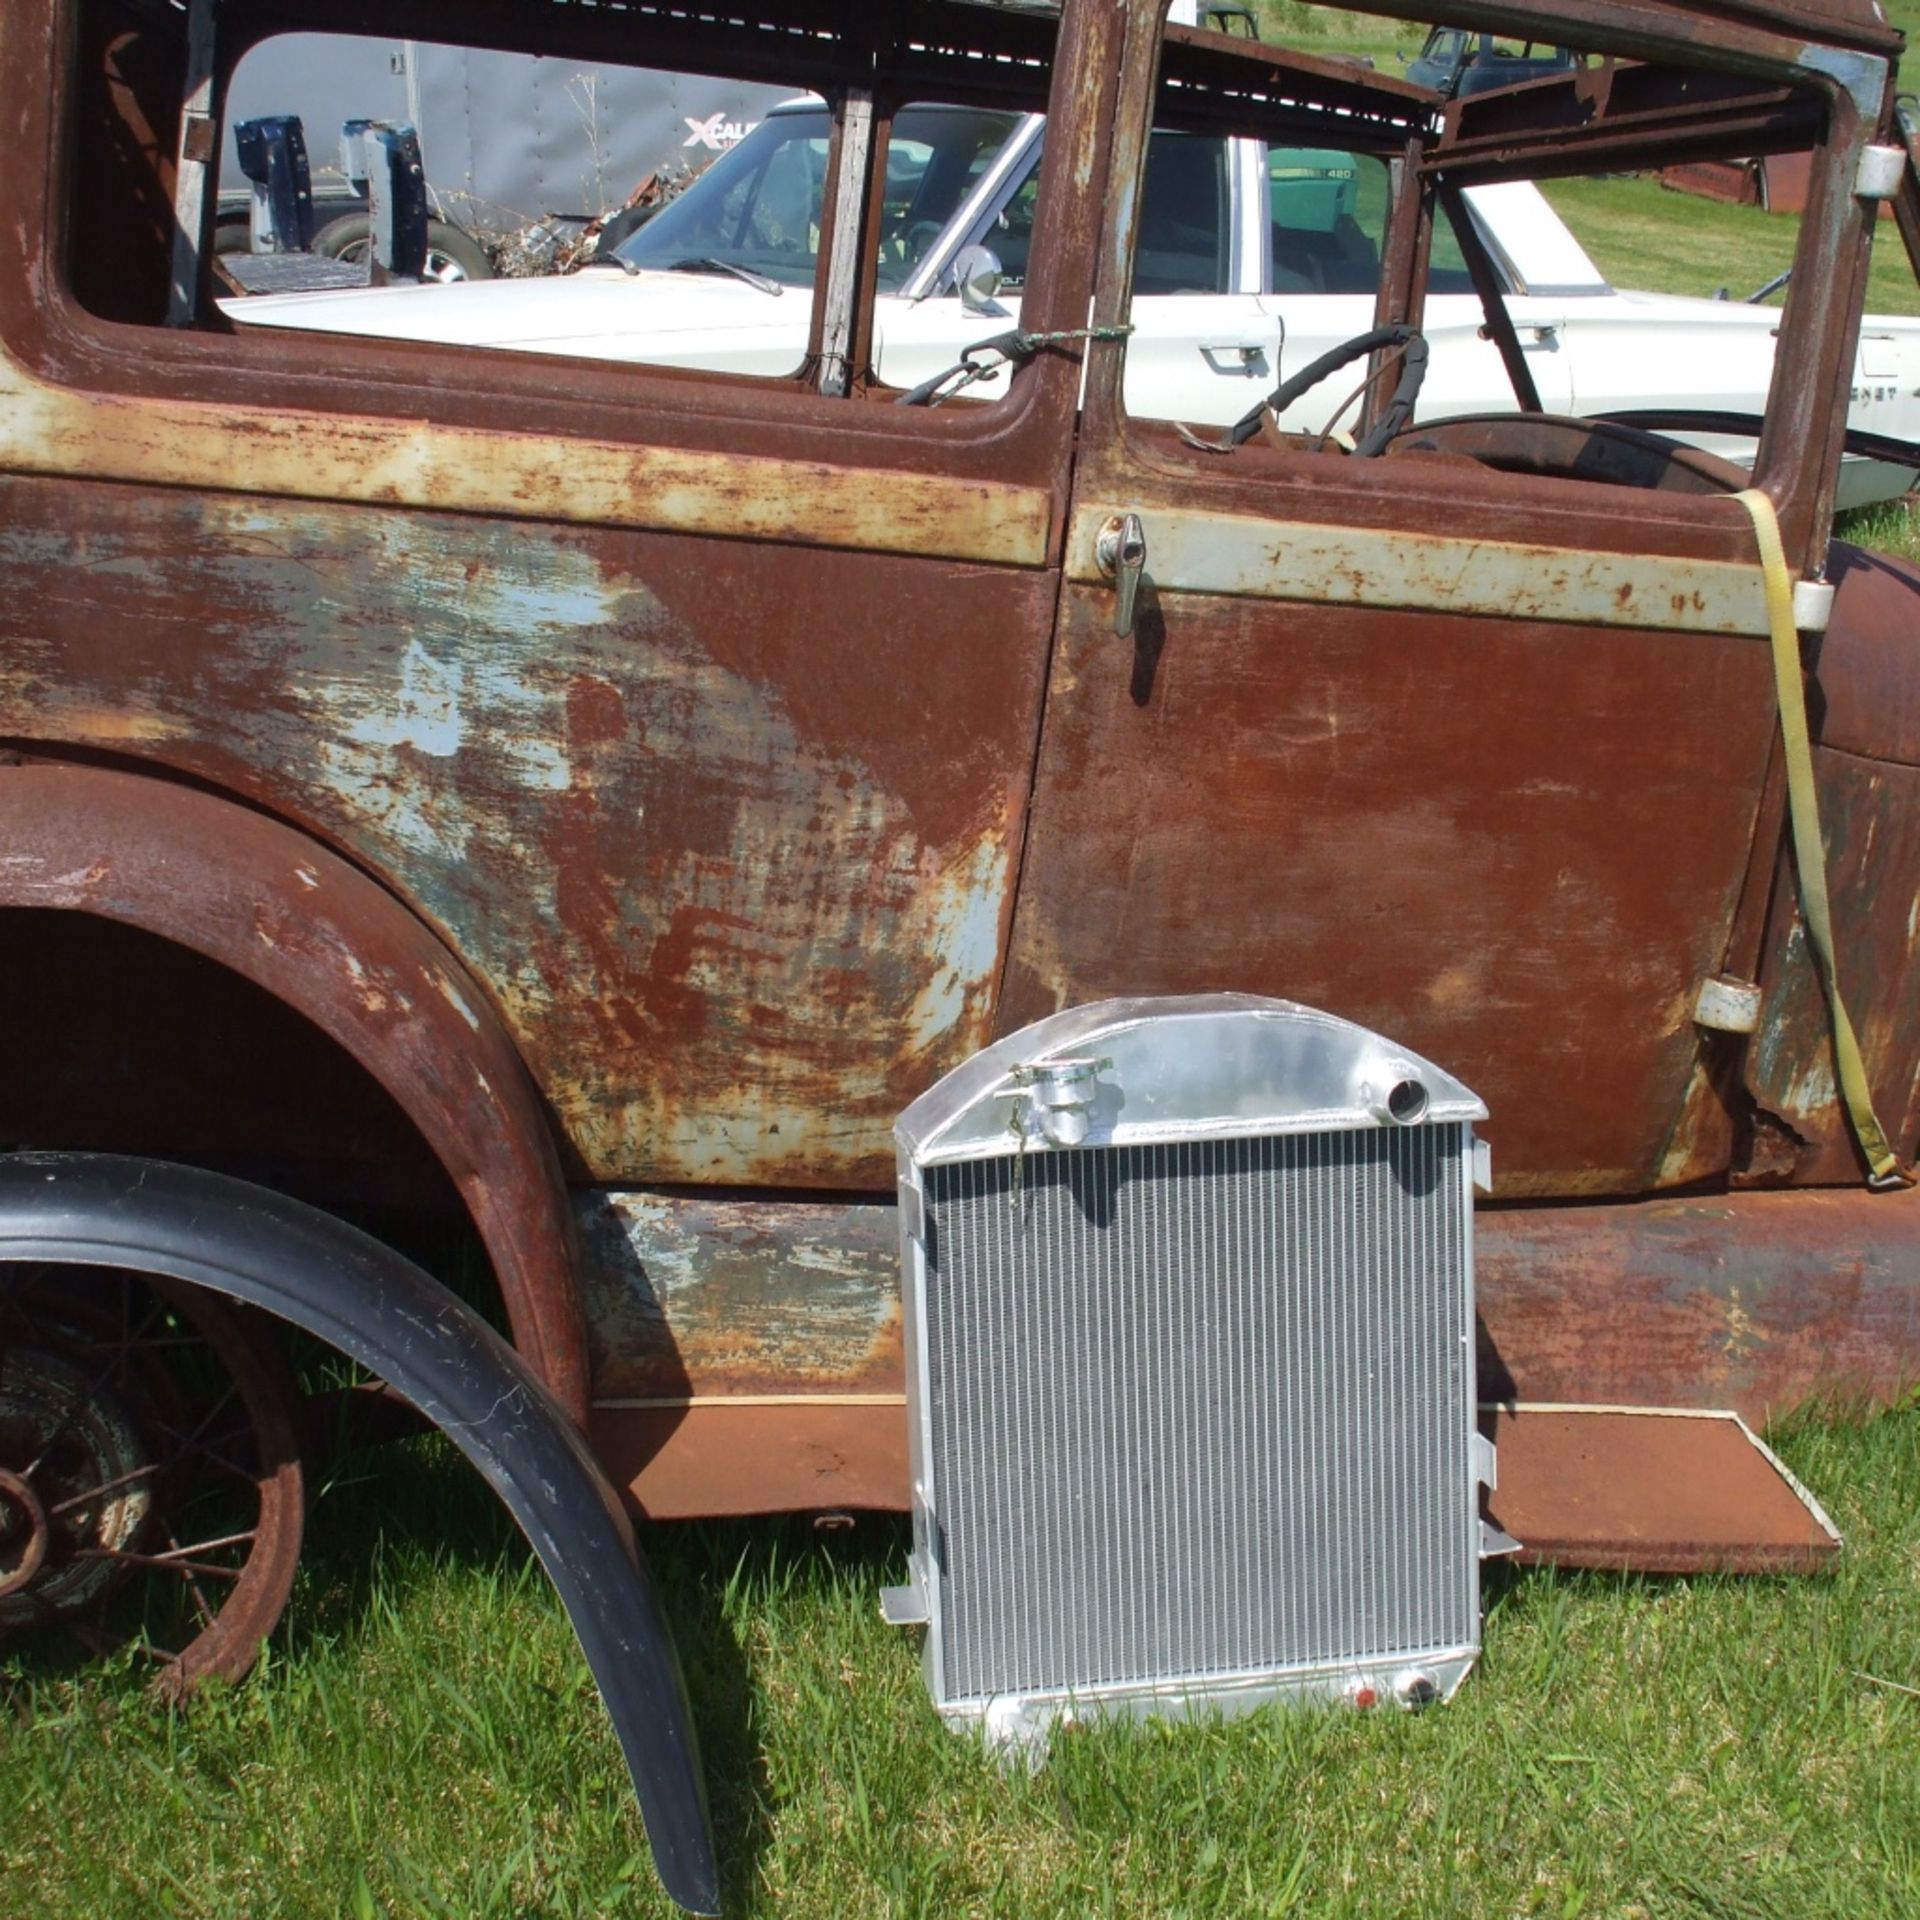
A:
x: 1010, y: 349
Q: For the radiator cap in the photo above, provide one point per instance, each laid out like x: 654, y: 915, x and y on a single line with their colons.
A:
x: 1216, y: 1066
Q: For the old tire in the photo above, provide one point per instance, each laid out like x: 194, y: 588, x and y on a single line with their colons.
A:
x: 451, y: 254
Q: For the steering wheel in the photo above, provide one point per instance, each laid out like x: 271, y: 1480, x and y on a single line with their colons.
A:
x: 917, y: 238
x: 1398, y: 413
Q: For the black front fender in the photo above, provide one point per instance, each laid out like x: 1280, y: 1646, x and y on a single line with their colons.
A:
x: 381, y: 1310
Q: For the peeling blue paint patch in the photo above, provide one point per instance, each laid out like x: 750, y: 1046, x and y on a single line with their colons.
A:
x: 726, y: 942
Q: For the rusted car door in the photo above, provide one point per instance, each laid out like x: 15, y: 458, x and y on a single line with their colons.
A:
x: 1471, y: 757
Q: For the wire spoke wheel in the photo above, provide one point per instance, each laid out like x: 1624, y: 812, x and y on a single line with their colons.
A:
x: 150, y: 1477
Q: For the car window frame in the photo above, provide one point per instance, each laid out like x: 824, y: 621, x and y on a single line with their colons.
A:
x: 1246, y: 254
x: 1025, y: 436
x: 973, y: 221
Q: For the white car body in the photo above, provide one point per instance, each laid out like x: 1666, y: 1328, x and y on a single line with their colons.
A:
x: 1202, y: 358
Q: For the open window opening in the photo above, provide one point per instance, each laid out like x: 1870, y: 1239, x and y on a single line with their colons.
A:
x: 1408, y: 281
x: 775, y: 205
x: 828, y: 198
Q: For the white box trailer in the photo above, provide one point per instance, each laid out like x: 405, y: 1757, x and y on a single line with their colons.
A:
x: 506, y: 138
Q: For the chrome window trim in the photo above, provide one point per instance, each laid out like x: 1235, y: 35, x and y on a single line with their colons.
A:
x: 977, y: 212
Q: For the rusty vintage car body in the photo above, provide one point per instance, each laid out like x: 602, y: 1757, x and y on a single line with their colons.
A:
x: 587, y: 804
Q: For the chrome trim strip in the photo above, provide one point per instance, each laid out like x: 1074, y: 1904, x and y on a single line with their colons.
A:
x: 1193, y: 551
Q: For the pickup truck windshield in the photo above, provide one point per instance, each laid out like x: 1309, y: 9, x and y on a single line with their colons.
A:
x: 758, y: 206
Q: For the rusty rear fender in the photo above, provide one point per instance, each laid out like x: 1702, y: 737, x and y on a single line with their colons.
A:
x: 278, y: 909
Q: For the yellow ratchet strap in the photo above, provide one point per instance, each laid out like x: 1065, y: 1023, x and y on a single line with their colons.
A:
x: 1809, y: 848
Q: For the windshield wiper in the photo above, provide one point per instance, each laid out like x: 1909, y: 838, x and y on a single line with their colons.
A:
x: 706, y: 263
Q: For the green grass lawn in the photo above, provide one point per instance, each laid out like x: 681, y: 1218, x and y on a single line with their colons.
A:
x: 426, y: 1741
x: 1389, y: 44
x: 1641, y: 234
x: 1893, y: 527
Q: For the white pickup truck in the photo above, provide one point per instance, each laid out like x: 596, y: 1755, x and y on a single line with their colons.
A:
x: 1252, y: 260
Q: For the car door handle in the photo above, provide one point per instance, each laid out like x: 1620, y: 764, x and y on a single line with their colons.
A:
x: 1120, y: 552
x: 1245, y: 357
x: 1540, y: 337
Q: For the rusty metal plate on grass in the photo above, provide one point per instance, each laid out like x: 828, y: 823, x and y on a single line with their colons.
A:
x: 1650, y: 1490
x: 752, y: 1454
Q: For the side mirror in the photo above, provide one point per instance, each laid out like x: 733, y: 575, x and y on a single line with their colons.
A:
x: 977, y: 274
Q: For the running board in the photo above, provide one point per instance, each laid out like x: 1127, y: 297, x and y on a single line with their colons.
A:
x: 1649, y: 1490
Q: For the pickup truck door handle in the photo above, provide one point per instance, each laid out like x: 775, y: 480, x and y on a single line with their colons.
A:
x: 1246, y: 356
x: 1120, y: 552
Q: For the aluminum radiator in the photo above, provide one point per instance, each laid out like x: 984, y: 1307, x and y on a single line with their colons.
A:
x: 1189, y: 1313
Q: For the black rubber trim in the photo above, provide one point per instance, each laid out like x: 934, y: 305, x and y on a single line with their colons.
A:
x: 380, y: 1309
x: 1869, y: 446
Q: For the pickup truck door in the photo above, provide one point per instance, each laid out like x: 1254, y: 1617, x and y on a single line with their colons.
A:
x: 1323, y: 212
x: 1471, y: 757
x: 1465, y: 374
x: 1253, y: 260
x: 1206, y: 345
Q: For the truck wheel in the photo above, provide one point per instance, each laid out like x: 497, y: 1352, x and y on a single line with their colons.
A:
x: 150, y: 1479
x: 451, y: 254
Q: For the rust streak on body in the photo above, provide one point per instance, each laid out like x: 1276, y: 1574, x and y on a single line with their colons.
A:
x: 56, y: 430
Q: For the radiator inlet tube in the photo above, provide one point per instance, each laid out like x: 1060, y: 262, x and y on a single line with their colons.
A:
x: 1062, y: 1093
x: 1395, y: 1094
